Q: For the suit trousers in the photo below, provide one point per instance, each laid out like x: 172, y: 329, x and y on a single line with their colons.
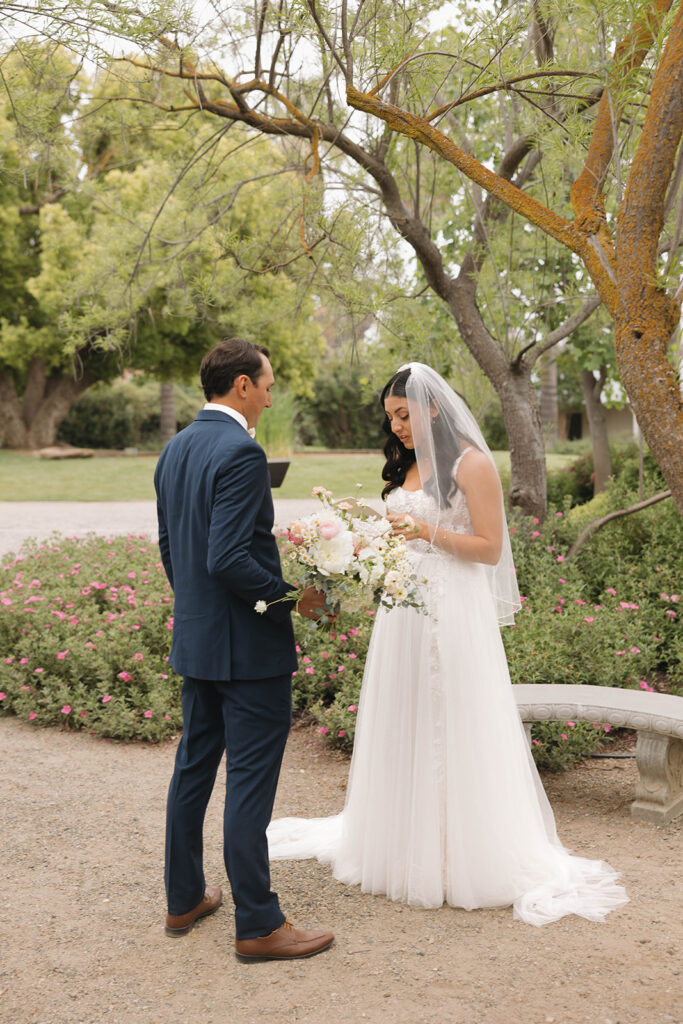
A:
x: 249, y: 720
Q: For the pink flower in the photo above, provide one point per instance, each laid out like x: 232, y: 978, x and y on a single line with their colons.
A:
x: 25, y: 688
x: 137, y: 657
x: 306, y: 660
x: 589, y: 618
x: 560, y: 558
x: 560, y: 580
x: 577, y: 600
x: 167, y: 717
x: 354, y: 632
x: 125, y: 676
x: 612, y: 591
x: 32, y: 715
x: 675, y: 598
x: 84, y: 714
x: 106, y: 698
x: 61, y: 655
x: 557, y: 515
x: 352, y: 655
x: 163, y: 675
x: 607, y: 728
x: 298, y: 649
x: 23, y: 661
x: 340, y: 668
x: 2, y: 695
x: 66, y: 710
x: 324, y: 654
x: 8, y: 661
x: 328, y: 529
x: 342, y: 732
x: 621, y: 652
x: 536, y: 521
x: 644, y: 686
x: 351, y: 707
x: 323, y: 730
x: 132, y: 575
x: 513, y: 529
x: 309, y: 671
x: 148, y: 713
x: 38, y: 671
x: 564, y: 736
x: 624, y: 604
x: 537, y: 743
x: 671, y: 613
x: 664, y: 597
x: 635, y: 650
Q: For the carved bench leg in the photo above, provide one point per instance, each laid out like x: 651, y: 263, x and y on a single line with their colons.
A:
x: 659, y: 793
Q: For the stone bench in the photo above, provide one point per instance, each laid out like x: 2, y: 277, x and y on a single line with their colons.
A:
x: 657, y: 717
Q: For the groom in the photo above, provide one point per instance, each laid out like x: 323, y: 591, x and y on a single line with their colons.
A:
x: 215, y: 515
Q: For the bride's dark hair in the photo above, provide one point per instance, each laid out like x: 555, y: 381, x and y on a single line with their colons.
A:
x: 400, y: 459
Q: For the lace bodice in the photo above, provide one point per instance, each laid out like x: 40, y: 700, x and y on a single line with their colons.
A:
x: 422, y: 506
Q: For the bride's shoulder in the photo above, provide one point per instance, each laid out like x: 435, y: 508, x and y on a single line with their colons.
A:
x: 473, y: 466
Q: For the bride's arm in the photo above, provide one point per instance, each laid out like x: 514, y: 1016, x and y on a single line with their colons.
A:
x: 479, y: 482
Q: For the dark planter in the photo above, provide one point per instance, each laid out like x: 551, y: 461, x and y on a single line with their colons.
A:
x: 278, y: 470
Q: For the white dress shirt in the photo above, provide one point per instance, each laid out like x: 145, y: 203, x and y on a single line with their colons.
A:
x: 229, y: 411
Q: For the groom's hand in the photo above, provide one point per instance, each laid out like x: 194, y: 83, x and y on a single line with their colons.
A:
x: 311, y: 605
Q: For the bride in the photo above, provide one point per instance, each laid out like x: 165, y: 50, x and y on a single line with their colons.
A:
x: 444, y: 802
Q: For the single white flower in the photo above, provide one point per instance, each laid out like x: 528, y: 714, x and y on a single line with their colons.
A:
x: 260, y: 607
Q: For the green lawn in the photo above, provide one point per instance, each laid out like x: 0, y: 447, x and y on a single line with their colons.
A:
x: 129, y: 478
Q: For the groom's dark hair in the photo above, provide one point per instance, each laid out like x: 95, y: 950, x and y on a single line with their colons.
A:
x: 227, y: 361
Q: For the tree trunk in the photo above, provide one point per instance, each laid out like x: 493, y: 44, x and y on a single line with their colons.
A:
x: 13, y: 432
x: 34, y: 392
x: 528, y: 485
x: 40, y: 431
x: 597, y: 422
x: 167, y: 419
x: 549, y: 413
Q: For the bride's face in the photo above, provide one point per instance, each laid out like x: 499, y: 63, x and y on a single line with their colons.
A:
x: 398, y: 415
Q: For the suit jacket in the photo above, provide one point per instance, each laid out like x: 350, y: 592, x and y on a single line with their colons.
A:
x: 215, y: 515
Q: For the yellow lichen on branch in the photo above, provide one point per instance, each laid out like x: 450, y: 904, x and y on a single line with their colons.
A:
x: 586, y: 192
x: 415, y: 127
x: 647, y: 316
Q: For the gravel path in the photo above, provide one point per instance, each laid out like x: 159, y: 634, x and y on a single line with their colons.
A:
x: 20, y: 520
x: 82, y: 910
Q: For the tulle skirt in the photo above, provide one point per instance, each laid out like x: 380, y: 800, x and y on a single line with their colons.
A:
x: 444, y: 802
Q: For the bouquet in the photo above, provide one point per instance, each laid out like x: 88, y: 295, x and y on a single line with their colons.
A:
x: 348, y: 552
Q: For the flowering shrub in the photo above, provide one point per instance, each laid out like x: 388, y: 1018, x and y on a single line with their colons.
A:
x: 85, y: 630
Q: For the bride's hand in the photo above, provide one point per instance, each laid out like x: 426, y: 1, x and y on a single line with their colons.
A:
x: 405, y: 526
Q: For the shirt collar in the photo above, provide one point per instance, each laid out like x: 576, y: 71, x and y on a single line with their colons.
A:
x: 229, y: 411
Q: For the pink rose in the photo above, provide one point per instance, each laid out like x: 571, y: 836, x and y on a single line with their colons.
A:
x: 148, y: 713
x: 66, y: 710
x: 328, y: 530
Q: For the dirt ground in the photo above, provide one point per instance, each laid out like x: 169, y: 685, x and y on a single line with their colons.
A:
x: 82, y: 909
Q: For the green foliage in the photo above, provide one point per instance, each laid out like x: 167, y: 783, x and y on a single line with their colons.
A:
x: 343, y: 411
x: 575, y: 482
x: 125, y: 414
x: 99, y: 419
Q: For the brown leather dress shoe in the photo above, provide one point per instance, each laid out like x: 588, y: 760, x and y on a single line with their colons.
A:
x: 285, y: 943
x: 181, y: 924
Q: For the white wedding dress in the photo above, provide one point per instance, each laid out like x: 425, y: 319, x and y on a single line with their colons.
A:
x: 444, y: 802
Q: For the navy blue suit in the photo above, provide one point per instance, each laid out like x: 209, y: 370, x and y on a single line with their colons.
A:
x: 215, y: 515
